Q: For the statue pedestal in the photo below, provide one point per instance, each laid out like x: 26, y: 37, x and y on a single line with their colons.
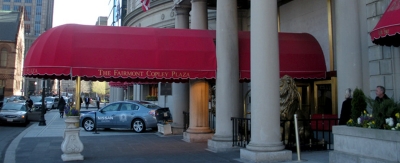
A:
x: 71, y: 145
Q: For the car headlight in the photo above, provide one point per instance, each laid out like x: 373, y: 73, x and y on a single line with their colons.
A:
x: 22, y: 116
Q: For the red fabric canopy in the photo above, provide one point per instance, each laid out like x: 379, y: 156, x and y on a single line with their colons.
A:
x: 148, y: 55
x: 387, y: 31
x: 122, y: 54
x: 300, y: 56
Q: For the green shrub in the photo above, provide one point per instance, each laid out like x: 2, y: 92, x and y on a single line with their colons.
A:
x: 358, y: 104
x: 380, y: 111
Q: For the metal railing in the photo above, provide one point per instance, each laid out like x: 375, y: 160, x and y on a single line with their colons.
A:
x: 314, y: 134
x: 241, y: 130
x: 211, y: 120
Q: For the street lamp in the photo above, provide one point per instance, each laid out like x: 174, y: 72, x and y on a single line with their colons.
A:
x: 42, y: 121
x: 35, y: 89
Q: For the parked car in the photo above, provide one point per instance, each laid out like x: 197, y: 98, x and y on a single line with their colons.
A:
x: 37, y: 102
x: 52, y: 102
x: 14, y: 98
x: 137, y: 115
x: 17, y: 112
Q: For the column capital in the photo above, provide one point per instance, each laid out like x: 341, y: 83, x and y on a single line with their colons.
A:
x: 181, y: 9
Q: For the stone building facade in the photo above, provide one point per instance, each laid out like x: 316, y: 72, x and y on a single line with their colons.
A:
x: 11, y: 52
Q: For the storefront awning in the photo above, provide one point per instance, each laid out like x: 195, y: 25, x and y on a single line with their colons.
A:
x: 122, y: 54
x: 300, y: 56
x: 149, y: 55
x: 387, y: 31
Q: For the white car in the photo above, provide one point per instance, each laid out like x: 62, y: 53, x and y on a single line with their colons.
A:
x: 52, y: 102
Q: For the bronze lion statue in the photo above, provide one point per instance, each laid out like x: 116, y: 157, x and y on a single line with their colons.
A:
x: 289, y: 105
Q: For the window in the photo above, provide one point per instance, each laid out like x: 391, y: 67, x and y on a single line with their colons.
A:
x: 6, y: 0
x: 37, y: 29
x: 19, y: 1
x: 6, y: 7
x: 27, y: 28
x: 3, y: 57
x: 38, y: 2
x: 111, y: 107
x: 38, y: 10
x: 28, y: 11
x: 28, y: 1
x: 16, y: 8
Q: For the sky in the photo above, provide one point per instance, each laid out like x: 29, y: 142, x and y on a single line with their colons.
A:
x: 79, y: 11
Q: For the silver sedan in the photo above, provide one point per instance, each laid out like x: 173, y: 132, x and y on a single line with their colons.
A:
x: 17, y: 112
x: 137, y: 115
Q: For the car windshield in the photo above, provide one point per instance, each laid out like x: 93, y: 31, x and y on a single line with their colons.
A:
x: 14, y: 106
x: 49, y: 99
x: 149, y: 105
x: 36, y: 98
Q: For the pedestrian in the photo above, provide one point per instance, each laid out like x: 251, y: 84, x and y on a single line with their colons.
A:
x: 345, y: 114
x: 29, y: 103
x: 61, y: 106
x: 380, y: 94
x: 98, y: 102
x: 87, y: 102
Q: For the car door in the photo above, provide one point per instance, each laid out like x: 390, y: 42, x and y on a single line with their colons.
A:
x: 34, y: 114
x: 126, y: 114
x: 106, y: 117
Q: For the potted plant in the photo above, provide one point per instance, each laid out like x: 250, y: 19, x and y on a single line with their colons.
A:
x: 367, y: 130
x: 71, y: 145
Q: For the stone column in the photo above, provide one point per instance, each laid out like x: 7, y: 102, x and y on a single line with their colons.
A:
x: 199, y: 130
x: 348, y: 47
x: 199, y: 14
x: 227, y: 84
x: 265, y: 144
x: 180, y: 91
x: 119, y: 92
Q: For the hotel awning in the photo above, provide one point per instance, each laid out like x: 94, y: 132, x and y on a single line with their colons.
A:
x: 300, y: 56
x: 122, y: 54
x: 148, y: 55
x: 387, y: 31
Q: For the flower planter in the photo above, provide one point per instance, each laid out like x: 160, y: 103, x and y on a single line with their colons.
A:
x: 359, y: 145
x: 71, y: 145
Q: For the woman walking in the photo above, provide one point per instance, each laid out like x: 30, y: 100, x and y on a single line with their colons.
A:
x: 61, y: 106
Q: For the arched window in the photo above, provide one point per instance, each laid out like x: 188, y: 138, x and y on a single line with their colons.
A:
x: 3, y: 57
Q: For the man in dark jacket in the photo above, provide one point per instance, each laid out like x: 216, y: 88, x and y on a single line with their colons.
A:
x: 29, y: 102
x: 380, y: 94
x: 87, y: 102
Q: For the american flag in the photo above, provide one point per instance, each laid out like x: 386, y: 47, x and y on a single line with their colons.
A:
x: 145, y: 5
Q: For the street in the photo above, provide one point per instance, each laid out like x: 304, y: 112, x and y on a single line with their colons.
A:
x: 7, y: 134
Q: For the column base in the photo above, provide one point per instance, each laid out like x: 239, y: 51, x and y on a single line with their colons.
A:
x: 258, y: 156
x: 164, y: 129
x: 220, y: 146
x: 196, y: 137
x: 72, y: 157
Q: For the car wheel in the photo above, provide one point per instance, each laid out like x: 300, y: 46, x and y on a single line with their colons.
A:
x: 138, y: 125
x: 88, y: 124
x: 52, y: 107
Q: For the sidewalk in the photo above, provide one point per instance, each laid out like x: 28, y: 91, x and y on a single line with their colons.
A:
x: 42, y: 144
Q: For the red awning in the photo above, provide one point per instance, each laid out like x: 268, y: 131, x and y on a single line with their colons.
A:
x: 387, y: 31
x: 118, y: 84
x: 128, y: 54
x: 122, y: 54
x: 300, y: 56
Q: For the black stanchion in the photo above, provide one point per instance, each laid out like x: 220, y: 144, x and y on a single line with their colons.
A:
x: 95, y: 124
